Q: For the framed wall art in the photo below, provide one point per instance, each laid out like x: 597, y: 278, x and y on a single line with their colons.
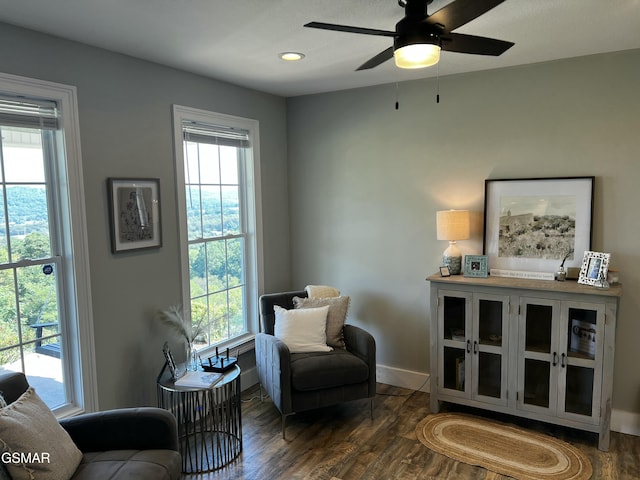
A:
x: 531, y: 224
x: 595, y: 266
x: 134, y: 213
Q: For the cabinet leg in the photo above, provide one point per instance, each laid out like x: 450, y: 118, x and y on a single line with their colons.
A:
x: 603, y: 441
x: 605, y: 427
x: 434, y: 404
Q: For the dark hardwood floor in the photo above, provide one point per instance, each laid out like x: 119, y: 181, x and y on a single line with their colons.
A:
x: 343, y: 443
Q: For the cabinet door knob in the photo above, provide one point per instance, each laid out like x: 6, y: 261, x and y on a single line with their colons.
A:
x: 555, y: 359
x: 562, y: 362
x: 475, y: 346
x: 468, y: 346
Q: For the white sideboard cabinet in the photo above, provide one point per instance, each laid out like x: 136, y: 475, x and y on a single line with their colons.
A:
x: 532, y: 348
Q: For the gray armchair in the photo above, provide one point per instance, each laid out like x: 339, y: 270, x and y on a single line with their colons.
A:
x: 140, y: 443
x: 303, y: 381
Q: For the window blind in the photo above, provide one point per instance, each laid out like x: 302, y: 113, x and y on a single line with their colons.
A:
x: 29, y: 113
x: 215, y: 134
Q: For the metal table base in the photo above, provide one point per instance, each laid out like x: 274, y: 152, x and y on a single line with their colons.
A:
x: 209, y: 421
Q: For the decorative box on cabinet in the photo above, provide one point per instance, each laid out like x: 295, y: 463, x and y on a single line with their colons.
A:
x: 532, y: 348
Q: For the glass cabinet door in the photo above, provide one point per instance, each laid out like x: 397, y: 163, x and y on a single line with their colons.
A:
x: 580, y: 359
x: 489, y: 351
x: 539, y: 356
x: 474, y: 349
x: 454, y: 314
x: 561, y: 355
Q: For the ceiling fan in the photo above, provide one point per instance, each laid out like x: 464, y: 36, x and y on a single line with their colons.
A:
x: 419, y: 37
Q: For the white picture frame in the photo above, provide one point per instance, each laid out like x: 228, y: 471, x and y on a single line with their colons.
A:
x: 595, y: 266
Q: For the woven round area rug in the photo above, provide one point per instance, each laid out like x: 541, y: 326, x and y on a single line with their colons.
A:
x: 502, y: 448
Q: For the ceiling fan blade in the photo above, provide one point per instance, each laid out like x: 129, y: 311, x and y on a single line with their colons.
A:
x: 461, y: 43
x: 377, y: 60
x: 459, y: 12
x: 348, y: 29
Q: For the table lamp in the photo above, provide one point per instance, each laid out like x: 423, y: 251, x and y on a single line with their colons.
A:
x: 452, y: 225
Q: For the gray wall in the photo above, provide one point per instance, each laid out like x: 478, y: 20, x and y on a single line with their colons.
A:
x: 366, y: 182
x: 126, y: 131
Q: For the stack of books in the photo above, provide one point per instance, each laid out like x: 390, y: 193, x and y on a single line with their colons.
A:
x: 198, y: 379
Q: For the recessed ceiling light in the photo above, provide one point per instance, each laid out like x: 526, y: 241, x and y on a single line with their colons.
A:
x: 291, y: 56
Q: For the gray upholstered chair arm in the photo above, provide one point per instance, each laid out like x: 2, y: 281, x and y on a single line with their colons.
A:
x: 12, y: 385
x: 273, y: 360
x: 123, y: 429
x: 362, y: 344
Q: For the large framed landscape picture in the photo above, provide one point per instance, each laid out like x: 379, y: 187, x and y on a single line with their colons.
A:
x: 533, y: 225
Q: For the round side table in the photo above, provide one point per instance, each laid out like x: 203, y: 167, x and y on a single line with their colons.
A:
x: 209, y: 420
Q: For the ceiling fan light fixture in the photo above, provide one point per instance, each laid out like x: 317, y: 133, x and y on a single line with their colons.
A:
x: 291, y: 56
x: 417, y: 55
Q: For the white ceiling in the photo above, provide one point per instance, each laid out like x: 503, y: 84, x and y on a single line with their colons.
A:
x: 238, y: 40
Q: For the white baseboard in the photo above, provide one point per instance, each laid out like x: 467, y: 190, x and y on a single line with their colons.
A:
x: 621, y: 421
x: 402, y: 378
x: 625, y: 422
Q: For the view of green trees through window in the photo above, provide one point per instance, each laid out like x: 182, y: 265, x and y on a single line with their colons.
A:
x: 36, y: 292
x: 216, y: 240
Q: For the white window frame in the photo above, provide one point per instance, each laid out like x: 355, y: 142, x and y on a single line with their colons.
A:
x: 80, y: 369
x: 252, y: 196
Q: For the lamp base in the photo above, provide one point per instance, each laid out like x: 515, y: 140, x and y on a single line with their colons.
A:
x: 454, y: 264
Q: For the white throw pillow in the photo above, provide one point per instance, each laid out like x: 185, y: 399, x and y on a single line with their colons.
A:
x: 28, y: 427
x: 302, y: 330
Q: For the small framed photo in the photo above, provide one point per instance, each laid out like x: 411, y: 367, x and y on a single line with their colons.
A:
x: 595, y: 266
x: 134, y: 213
x: 476, y: 266
x: 171, y: 364
x: 444, y: 271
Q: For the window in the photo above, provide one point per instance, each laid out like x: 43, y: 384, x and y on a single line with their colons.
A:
x: 44, y: 295
x: 218, y: 174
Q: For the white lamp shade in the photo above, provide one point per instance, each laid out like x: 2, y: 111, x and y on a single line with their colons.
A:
x: 417, y: 55
x: 452, y: 225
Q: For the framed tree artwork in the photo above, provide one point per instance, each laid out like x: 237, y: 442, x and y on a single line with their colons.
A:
x: 134, y: 213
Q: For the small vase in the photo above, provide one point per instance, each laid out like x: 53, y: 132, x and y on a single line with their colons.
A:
x: 602, y: 282
x: 191, y: 358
